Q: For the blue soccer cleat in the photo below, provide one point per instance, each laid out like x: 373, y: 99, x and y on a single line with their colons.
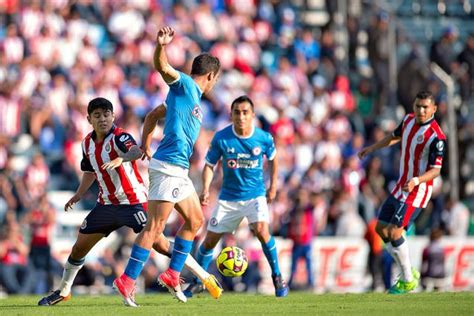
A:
x: 281, y: 289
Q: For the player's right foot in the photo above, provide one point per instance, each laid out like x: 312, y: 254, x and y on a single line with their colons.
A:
x: 213, y: 286
x: 194, y: 288
x: 281, y: 289
x: 172, y: 282
x: 53, y: 298
x: 126, y: 290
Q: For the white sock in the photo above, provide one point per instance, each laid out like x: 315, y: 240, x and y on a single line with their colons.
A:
x: 402, y: 257
x: 192, y: 265
x: 69, y: 274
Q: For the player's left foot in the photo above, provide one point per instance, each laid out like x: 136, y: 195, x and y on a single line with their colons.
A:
x: 213, y: 286
x: 193, y: 288
x: 170, y: 279
x: 126, y: 289
x: 281, y: 289
x: 403, y: 287
x: 53, y: 298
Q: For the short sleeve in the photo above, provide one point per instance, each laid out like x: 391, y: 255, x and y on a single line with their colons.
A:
x: 214, y: 153
x: 124, y: 141
x: 398, y: 131
x: 86, y: 164
x: 436, y: 155
x: 270, y: 150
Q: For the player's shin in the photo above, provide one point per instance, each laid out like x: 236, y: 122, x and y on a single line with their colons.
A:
x: 401, y: 253
x: 138, y: 258
x: 71, y: 268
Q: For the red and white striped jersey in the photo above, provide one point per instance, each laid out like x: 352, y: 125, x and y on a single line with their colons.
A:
x: 423, y: 147
x: 122, y: 185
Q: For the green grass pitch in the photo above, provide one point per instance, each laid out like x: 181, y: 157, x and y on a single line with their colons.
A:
x: 247, y: 304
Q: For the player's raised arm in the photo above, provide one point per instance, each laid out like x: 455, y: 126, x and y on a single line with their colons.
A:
x: 151, y: 119
x: 87, y: 179
x: 388, y: 140
x: 164, y: 37
x: 207, y: 175
x: 272, y: 189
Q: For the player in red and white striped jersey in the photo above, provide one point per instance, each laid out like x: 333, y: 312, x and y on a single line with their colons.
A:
x: 109, y: 155
x: 423, y: 144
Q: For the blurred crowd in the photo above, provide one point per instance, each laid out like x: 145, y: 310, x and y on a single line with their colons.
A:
x: 57, y: 55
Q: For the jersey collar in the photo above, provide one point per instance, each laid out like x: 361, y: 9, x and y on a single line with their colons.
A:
x: 427, y: 122
x: 94, y: 134
x: 243, y: 137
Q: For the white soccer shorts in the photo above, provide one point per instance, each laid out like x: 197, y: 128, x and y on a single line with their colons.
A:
x: 228, y: 214
x: 164, y: 187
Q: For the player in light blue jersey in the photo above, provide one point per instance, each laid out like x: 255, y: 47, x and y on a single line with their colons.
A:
x: 170, y: 185
x: 241, y: 147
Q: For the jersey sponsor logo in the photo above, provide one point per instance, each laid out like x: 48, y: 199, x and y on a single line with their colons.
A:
x: 108, y: 148
x: 231, y: 150
x: 420, y: 139
x: 197, y: 113
x: 213, y: 221
x: 256, y: 151
x: 84, y: 224
x: 231, y: 163
x: 175, y: 192
x: 242, y: 163
x: 440, y: 145
x: 124, y: 137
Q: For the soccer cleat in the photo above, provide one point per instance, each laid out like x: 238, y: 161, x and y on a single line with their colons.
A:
x: 53, y: 298
x: 194, y: 288
x: 126, y: 291
x: 403, y: 287
x: 213, y: 286
x: 172, y: 282
x: 281, y: 289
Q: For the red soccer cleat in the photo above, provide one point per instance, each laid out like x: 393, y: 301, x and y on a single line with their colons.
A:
x: 126, y: 288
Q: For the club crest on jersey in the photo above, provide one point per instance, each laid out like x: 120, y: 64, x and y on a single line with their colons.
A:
x: 420, y: 139
x: 231, y: 163
x: 256, y: 151
x: 197, y: 113
x: 108, y: 148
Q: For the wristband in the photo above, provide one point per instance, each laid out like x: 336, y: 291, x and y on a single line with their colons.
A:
x: 416, y: 180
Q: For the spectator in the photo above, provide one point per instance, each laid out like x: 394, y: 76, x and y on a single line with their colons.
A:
x: 433, y: 271
x: 16, y: 275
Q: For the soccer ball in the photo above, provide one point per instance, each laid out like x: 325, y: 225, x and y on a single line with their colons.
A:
x: 232, y: 262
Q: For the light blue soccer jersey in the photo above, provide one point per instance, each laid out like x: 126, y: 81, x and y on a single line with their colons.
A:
x: 242, y: 162
x: 182, y: 123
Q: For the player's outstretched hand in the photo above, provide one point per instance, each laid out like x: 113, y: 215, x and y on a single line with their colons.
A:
x: 271, y: 194
x: 165, y: 35
x: 364, y: 152
x: 204, y: 197
x: 73, y: 200
x: 112, y: 164
x: 146, y: 153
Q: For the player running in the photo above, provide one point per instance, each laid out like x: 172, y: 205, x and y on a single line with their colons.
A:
x: 241, y: 146
x: 109, y: 155
x: 170, y: 185
x: 423, y: 144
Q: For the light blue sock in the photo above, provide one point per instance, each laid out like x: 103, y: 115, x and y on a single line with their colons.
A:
x: 182, y: 248
x: 270, y: 251
x: 138, y: 258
